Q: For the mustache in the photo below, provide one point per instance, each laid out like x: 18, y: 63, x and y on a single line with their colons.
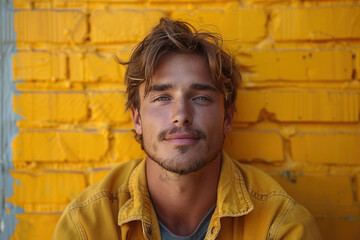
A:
x: 196, y: 132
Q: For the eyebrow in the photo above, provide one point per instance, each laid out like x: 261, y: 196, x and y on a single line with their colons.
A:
x: 194, y: 86
x: 200, y: 86
x: 160, y: 87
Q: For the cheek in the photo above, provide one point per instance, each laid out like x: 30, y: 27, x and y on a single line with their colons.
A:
x: 152, y: 122
x: 213, y: 119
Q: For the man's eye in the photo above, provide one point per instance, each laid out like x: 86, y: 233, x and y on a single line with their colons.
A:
x: 201, y: 98
x: 161, y: 99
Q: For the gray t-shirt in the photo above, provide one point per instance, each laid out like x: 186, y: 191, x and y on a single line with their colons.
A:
x: 198, y: 234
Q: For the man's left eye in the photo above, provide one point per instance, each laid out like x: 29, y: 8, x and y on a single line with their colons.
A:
x: 161, y: 99
x: 201, y: 98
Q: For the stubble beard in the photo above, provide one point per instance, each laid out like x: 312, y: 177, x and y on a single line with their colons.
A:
x: 187, y: 164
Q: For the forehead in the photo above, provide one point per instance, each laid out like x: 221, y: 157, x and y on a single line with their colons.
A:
x: 182, y: 69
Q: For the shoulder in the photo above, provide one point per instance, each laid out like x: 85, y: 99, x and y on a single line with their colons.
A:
x: 97, y: 205
x: 115, y: 182
x: 259, y: 184
x: 286, y: 217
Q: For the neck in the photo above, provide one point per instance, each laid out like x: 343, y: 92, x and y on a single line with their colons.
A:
x: 181, y: 201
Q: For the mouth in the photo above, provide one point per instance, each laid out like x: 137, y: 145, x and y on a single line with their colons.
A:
x: 182, y: 139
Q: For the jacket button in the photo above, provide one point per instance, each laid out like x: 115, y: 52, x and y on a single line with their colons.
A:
x: 148, y: 230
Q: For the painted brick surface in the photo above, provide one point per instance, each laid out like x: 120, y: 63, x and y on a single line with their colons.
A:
x: 51, y: 188
x: 327, y: 147
x: 317, y: 23
x: 138, y: 23
x: 314, y: 106
x: 297, y: 112
x: 231, y: 22
x: 298, y: 65
x: 34, y: 226
x: 42, y: 66
x: 244, y: 113
x: 60, y: 146
x: 357, y: 66
x: 109, y: 108
x: 339, y: 228
x: 298, y: 106
x: 186, y: 1
x: 96, y: 175
x: 357, y: 186
x: 339, y: 194
x: 50, y: 26
x: 126, y: 148
x: 244, y: 145
x: 95, y: 67
x: 52, y: 107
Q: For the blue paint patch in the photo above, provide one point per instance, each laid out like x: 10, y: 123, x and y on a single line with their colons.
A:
x: 7, y: 119
x: 352, y: 219
x: 290, y: 175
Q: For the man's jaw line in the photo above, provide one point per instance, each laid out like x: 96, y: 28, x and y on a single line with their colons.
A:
x: 190, y: 172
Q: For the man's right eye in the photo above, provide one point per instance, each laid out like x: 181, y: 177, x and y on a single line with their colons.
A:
x: 160, y: 99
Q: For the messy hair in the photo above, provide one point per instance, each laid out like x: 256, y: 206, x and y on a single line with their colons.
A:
x: 180, y: 37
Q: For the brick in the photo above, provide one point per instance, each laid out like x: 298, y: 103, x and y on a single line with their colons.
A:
x: 46, y: 188
x: 74, y: 146
x: 326, y: 147
x: 232, y: 22
x: 357, y: 187
x: 314, y: 106
x: 311, y: 190
x: 298, y: 105
x: 340, y: 227
x: 97, y: 174
x: 34, y: 226
x: 105, y: 1
x: 43, y: 66
x: 53, y: 107
x: 297, y: 65
x: 254, y: 145
x: 77, y: 67
x: 50, y: 26
x: 126, y: 148
x: 109, y: 108
x: 18, y: 4
x: 265, y: 2
x: 138, y: 24
x: 316, y: 23
x: 95, y: 67
x: 357, y: 64
x: 186, y: 1
x: 248, y: 105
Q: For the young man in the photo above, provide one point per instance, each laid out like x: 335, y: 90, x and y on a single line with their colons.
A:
x: 181, y: 90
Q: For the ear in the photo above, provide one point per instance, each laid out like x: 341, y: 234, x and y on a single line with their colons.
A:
x: 229, y: 119
x: 136, y: 120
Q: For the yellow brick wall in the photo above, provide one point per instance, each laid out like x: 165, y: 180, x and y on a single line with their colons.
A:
x: 297, y: 112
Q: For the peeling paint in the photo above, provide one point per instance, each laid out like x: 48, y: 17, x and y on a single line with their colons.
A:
x: 290, y: 175
x: 7, y: 119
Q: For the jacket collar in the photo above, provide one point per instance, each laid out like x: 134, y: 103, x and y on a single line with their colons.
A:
x: 138, y: 207
x: 233, y: 199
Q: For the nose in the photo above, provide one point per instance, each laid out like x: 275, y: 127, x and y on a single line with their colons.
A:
x: 182, y: 113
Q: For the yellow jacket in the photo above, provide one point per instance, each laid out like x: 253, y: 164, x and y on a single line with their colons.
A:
x: 250, y: 205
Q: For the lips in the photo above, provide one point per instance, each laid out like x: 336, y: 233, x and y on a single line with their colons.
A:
x: 182, y: 138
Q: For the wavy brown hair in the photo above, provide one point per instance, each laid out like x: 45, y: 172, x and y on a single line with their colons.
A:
x: 180, y: 37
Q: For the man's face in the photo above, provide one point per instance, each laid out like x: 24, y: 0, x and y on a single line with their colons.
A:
x: 182, y: 119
